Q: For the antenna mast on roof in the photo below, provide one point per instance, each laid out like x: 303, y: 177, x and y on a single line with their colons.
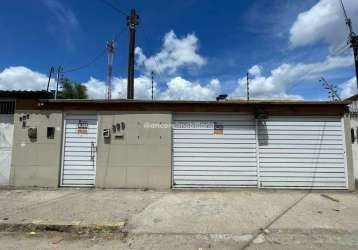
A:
x: 332, y: 89
x: 352, y: 39
x: 110, y: 50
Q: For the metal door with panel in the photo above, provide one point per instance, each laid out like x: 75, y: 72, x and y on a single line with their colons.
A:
x: 79, y: 150
x: 214, y: 150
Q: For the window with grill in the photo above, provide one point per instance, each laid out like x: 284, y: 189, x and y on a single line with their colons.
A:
x: 7, y: 107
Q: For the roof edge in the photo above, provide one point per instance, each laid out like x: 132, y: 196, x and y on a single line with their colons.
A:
x: 225, y: 102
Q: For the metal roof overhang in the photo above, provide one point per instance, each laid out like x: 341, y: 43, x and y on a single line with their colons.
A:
x: 265, y: 106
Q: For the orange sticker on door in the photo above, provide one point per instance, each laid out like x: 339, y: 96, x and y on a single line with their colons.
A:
x: 82, y: 127
x: 218, y: 129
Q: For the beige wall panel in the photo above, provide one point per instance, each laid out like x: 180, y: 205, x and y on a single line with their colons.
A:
x: 36, y: 163
x: 35, y: 176
x: 139, y: 159
x: 111, y: 177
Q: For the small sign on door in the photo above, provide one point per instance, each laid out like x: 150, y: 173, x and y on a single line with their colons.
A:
x: 82, y: 127
x: 218, y: 129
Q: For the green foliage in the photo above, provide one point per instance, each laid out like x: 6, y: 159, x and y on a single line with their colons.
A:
x: 73, y: 90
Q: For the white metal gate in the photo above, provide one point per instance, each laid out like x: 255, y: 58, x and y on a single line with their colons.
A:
x: 214, y: 150
x: 6, y: 141
x: 302, y: 152
x: 79, y: 150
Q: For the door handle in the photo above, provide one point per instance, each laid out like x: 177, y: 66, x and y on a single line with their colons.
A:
x: 93, y: 150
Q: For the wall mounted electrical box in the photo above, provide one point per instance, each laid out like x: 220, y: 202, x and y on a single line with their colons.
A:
x: 50, y: 133
x: 118, y: 130
x: 106, y: 133
x: 32, y: 133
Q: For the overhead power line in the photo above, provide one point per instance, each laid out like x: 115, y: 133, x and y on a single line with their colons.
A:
x: 102, y: 53
x: 112, y: 6
x: 95, y: 59
x: 340, y: 50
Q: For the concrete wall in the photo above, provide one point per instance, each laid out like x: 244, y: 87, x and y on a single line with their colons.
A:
x: 349, y: 153
x: 36, y: 162
x: 354, y: 125
x: 139, y: 159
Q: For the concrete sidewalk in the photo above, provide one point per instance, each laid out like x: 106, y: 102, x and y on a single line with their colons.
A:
x: 189, y: 219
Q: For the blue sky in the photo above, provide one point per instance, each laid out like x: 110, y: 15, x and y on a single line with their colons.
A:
x: 198, y: 48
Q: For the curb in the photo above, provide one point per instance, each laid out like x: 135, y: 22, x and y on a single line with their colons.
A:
x: 63, y: 228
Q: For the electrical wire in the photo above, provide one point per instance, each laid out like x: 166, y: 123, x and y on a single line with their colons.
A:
x: 340, y: 50
x: 293, y: 86
x: 112, y: 6
x: 97, y: 57
x: 312, y: 71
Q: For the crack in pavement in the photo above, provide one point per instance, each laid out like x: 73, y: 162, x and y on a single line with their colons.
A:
x: 269, y: 224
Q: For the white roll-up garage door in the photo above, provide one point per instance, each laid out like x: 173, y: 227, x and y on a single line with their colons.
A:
x: 302, y: 152
x: 214, y: 150
x: 79, y: 151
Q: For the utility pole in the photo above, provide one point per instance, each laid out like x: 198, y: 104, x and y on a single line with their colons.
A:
x: 59, y: 69
x: 332, y: 89
x: 352, y: 39
x: 247, y: 86
x: 52, y: 70
x: 152, y: 85
x: 132, y: 22
x: 354, y: 45
x: 110, y: 50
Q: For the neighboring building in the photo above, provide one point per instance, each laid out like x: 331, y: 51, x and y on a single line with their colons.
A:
x: 7, y: 110
x: 131, y: 144
x: 353, y: 110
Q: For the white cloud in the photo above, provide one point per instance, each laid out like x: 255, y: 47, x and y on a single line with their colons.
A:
x: 323, y: 22
x: 176, y: 89
x: 97, y: 89
x: 174, y: 54
x: 283, y: 77
x: 63, y: 19
x: 274, y: 86
x: 63, y: 14
x: 348, y: 88
x: 255, y: 70
x: 22, y: 78
x: 181, y: 89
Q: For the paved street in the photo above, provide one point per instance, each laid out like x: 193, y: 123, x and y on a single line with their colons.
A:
x: 247, y: 219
